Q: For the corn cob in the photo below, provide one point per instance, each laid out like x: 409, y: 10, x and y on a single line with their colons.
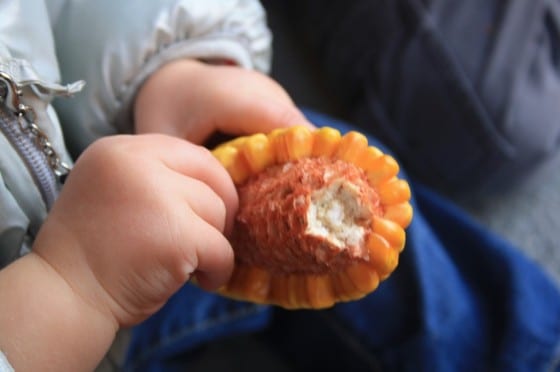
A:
x: 321, y: 217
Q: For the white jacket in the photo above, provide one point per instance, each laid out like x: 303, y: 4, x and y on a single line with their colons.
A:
x: 113, y: 46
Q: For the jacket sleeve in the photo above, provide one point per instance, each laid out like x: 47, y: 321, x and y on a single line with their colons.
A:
x: 28, y: 59
x: 115, y: 46
x: 4, y: 364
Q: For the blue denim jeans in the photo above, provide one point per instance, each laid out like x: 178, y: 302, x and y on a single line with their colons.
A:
x: 461, y: 299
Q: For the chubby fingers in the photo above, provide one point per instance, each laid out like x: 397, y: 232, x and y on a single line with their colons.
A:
x: 213, y: 260
x: 213, y: 256
x: 201, y: 223
x: 201, y: 176
x: 201, y: 99
x: 246, y: 115
x: 200, y: 193
x: 249, y: 116
x: 209, y: 193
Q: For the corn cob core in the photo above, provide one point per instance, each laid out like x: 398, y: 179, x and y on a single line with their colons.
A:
x: 311, y: 215
x: 321, y: 217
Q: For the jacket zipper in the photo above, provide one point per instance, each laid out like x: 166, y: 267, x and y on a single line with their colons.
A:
x: 37, y: 164
x: 17, y: 123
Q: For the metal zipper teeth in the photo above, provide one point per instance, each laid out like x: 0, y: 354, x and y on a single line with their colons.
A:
x: 36, y: 162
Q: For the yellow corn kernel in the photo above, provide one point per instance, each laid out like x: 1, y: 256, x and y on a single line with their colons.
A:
x: 239, y: 170
x: 391, y: 231
x: 399, y: 213
x: 392, y: 264
x: 257, y: 284
x: 325, y: 142
x: 364, y: 277
x: 343, y: 288
x: 225, y: 154
x: 381, y: 256
x: 351, y: 146
x: 291, y: 143
x: 297, y: 291
x: 320, y: 291
x: 394, y: 191
x: 300, y: 141
x: 234, y: 286
x: 276, y: 142
x: 338, y: 292
x: 367, y: 157
x: 279, y: 290
x: 381, y: 169
x: 288, y: 291
x: 236, y: 142
x: 258, y: 153
x: 234, y: 163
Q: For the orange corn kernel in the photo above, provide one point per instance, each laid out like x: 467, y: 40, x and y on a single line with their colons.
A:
x: 234, y: 163
x: 351, y: 146
x: 394, y: 191
x: 292, y: 144
x: 391, y: 231
x: 365, y: 279
x: 399, y: 213
x: 381, y: 169
x: 258, y: 153
x: 367, y: 158
x: 320, y: 291
x: 381, y: 255
x: 326, y: 142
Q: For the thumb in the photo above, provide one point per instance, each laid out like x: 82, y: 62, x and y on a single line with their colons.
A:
x: 250, y: 116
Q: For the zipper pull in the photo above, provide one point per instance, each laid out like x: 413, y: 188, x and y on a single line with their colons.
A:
x: 9, y: 92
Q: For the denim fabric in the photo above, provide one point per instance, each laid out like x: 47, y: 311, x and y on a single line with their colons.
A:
x: 461, y: 299
x: 190, y: 317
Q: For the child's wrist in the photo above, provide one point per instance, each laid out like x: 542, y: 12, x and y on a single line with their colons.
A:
x: 86, y: 306
x: 41, y: 315
x: 62, y: 253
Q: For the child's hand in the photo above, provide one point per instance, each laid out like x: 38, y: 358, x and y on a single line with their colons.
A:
x: 138, y: 216
x: 191, y: 100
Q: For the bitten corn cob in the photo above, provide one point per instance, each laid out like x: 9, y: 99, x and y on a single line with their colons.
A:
x: 321, y: 217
